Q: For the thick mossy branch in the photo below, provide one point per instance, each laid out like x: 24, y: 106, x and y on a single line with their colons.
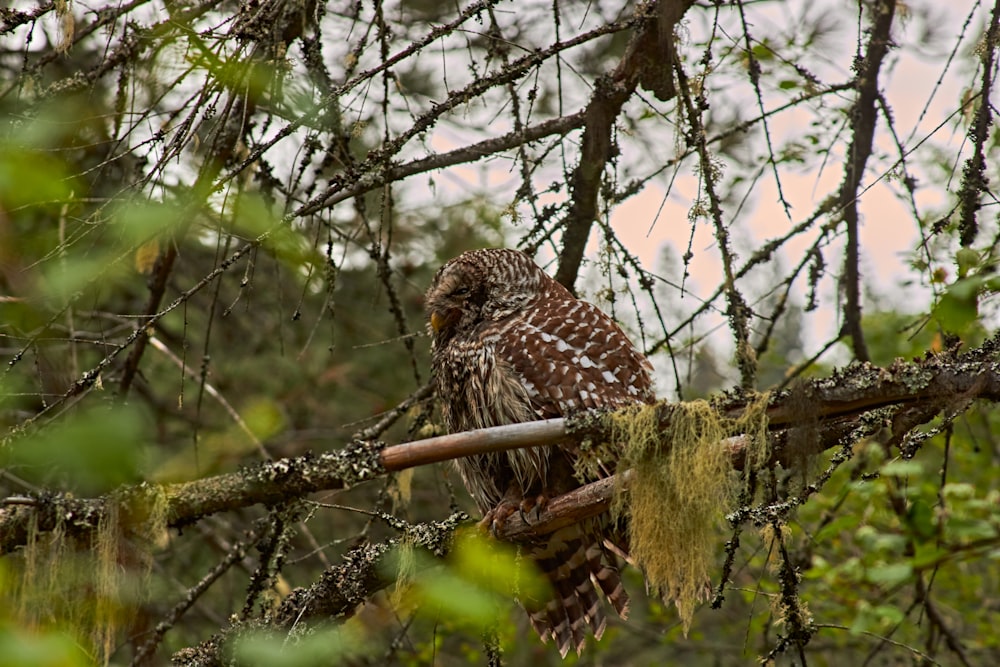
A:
x: 270, y: 483
x: 832, y: 404
x: 683, y: 484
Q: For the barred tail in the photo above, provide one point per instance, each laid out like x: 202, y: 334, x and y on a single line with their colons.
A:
x: 576, y: 566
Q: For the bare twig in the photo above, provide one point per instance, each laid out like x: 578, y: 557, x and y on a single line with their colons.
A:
x: 974, y: 180
x: 610, y: 94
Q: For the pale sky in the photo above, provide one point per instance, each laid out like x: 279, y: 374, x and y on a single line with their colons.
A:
x: 888, y: 233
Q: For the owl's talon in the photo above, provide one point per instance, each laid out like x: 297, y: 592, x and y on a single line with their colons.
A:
x: 497, y: 517
x: 533, y: 506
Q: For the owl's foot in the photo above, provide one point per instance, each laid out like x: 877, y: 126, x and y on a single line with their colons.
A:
x: 495, y: 519
x: 528, y: 508
x: 534, y: 505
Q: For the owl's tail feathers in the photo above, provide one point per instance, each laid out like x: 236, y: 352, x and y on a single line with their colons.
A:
x: 576, y: 567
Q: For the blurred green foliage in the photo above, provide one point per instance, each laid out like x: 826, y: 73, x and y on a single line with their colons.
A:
x: 88, y: 453
x: 324, y: 646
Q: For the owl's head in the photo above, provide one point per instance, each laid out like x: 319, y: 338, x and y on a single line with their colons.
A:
x: 481, y: 285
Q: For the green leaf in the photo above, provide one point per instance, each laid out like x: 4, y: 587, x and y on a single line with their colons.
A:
x: 28, y: 177
x: 958, y: 491
x: 478, y: 580
x: 763, y: 52
x: 863, y: 619
x: 849, y: 568
x: 890, y: 543
x: 920, y: 518
x: 903, y: 468
x: 842, y: 524
x: 928, y: 554
x: 967, y: 288
x: 92, y: 452
x: 62, y: 280
x: 967, y: 259
x: 962, y: 529
x: 495, y: 566
x: 958, y: 307
x: 888, y: 615
x: 865, y: 535
x: 889, y: 575
x: 138, y: 222
x: 21, y: 646
x: 455, y: 598
x: 328, y: 646
x: 818, y: 568
x: 875, y: 618
x: 264, y: 418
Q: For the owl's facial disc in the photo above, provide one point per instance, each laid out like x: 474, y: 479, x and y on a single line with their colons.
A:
x: 448, y: 299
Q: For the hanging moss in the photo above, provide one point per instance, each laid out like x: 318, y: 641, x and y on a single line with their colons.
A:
x: 683, y: 485
x: 92, y: 584
x: 787, y: 608
x: 406, y: 564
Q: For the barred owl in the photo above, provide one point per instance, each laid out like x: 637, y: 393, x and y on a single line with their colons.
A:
x: 510, y: 345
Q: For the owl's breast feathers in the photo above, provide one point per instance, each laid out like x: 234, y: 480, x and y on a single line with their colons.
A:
x: 486, y: 391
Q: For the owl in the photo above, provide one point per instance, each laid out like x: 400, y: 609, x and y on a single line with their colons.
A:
x: 511, y: 345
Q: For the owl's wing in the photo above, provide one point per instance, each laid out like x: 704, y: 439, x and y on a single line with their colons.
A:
x: 570, y: 356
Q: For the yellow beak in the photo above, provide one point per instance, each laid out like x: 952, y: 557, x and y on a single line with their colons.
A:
x: 437, y: 321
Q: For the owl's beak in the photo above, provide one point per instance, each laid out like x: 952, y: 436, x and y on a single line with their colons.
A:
x: 441, y: 320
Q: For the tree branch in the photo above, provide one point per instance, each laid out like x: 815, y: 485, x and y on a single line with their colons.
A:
x: 375, y: 160
x: 478, y: 151
x: 863, y: 115
x: 639, y: 64
x: 974, y: 179
x: 365, y: 569
x: 821, y: 405
x: 157, y: 287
